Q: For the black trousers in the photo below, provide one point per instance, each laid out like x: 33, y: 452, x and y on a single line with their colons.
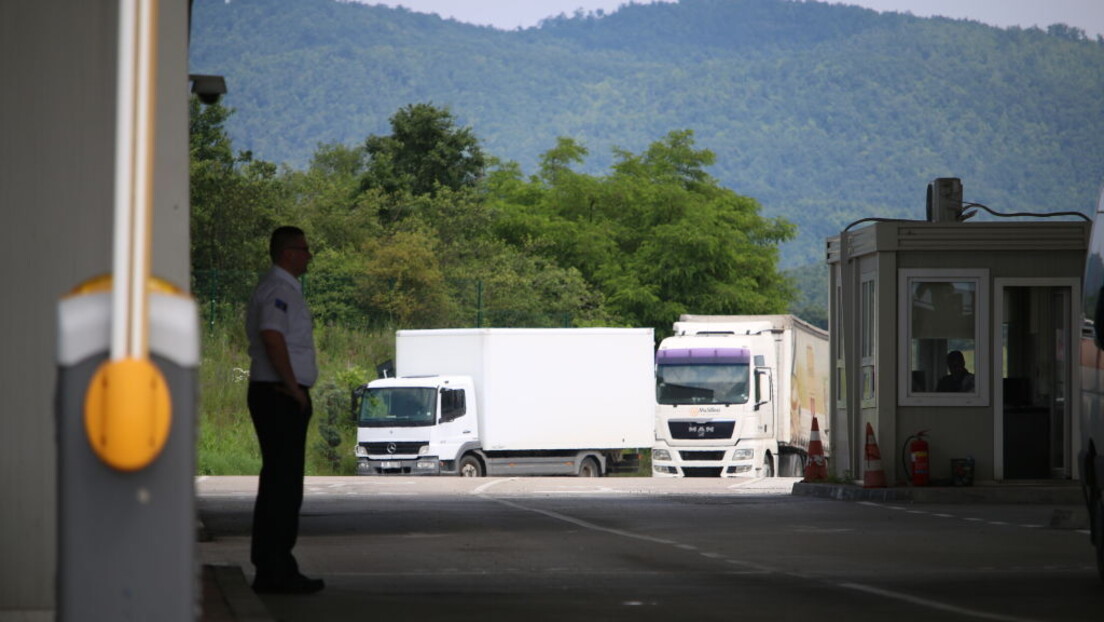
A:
x: 282, y: 432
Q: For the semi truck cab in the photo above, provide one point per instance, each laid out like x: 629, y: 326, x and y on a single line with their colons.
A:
x: 714, y: 399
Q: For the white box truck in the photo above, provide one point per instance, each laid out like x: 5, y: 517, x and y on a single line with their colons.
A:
x: 736, y: 396
x: 509, y: 401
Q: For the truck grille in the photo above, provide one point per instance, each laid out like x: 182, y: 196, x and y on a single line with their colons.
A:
x: 698, y: 429
x: 394, y: 449
x: 701, y: 471
x: 699, y: 456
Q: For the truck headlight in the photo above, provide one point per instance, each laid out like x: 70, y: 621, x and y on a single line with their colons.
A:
x: 361, y: 451
x: 423, y: 450
x: 661, y: 454
x: 743, y: 454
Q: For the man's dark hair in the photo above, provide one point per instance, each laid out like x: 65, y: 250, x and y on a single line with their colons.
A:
x: 954, y: 356
x: 282, y: 238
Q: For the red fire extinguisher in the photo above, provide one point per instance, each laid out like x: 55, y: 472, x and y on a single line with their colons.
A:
x: 917, y: 459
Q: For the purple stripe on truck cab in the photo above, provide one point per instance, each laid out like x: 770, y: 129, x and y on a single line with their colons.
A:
x: 704, y: 356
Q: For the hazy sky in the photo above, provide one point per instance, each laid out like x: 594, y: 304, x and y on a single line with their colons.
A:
x: 1087, y: 15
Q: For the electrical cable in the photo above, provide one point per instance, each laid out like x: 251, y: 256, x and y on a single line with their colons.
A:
x: 966, y: 206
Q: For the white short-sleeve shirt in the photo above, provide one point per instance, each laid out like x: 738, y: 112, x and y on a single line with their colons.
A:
x: 278, y: 304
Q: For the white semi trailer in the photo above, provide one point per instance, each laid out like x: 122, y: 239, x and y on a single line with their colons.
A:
x: 509, y: 401
x: 736, y: 396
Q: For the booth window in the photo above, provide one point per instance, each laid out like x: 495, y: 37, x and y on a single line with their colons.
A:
x: 836, y: 333
x: 943, y: 333
x: 868, y: 327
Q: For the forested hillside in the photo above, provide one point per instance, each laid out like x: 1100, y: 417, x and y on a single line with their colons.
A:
x: 822, y: 113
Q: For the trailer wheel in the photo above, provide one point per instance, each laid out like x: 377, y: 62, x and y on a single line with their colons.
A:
x: 589, y: 468
x: 768, y: 466
x: 470, y: 466
x: 791, y: 465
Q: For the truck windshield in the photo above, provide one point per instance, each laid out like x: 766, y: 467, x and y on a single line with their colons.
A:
x: 397, y: 407
x: 702, y: 384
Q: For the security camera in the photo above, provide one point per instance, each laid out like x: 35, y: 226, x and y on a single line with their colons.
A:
x: 207, y: 88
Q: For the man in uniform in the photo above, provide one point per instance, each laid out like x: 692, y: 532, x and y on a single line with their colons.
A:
x: 281, y: 347
x: 959, y: 379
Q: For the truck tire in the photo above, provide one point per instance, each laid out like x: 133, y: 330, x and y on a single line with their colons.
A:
x: 470, y: 466
x: 791, y: 465
x: 768, y: 466
x: 589, y: 468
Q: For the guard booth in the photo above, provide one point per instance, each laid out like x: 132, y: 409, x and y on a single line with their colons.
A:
x: 1005, y: 294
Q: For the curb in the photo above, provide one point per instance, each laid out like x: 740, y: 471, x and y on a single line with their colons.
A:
x: 227, y: 596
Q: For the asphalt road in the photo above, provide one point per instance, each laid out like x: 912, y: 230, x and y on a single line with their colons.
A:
x: 652, y: 549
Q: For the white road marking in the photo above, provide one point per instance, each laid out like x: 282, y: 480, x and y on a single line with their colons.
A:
x: 932, y: 604
x: 758, y: 568
x: 972, y: 519
x: 569, y: 490
x: 488, y: 485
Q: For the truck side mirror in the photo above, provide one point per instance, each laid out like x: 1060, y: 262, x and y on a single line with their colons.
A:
x: 357, y: 397
x: 1098, y: 319
x: 386, y: 369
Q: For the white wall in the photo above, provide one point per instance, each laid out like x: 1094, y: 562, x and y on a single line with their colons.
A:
x: 57, y: 60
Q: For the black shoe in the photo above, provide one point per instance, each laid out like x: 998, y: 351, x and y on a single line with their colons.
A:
x: 297, y: 584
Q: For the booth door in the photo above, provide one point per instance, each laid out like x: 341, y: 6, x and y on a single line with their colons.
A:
x: 1035, y: 382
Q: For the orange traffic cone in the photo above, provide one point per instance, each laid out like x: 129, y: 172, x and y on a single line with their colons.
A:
x: 873, y: 475
x: 816, y: 469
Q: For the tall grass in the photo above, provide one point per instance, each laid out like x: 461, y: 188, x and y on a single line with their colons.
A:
x: 346, y: 359
x: 227, y: 443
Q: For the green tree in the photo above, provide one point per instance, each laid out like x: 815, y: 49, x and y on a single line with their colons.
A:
x: 402, y: 279
x: 425, y: 152
x: 234, y: 199
x: 655, y: 238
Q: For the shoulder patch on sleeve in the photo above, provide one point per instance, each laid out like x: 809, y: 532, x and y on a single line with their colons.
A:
x: 281, y: 305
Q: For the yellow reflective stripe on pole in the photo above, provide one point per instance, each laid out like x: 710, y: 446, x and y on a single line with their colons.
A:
x: 127, y: 406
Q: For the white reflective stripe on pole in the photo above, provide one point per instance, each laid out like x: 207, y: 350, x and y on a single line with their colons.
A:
x: 134, y: 136
x: 145, y: 122
x: 124, y: 173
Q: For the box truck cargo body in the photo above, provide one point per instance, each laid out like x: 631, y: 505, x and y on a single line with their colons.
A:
x: 736, y: 396
x: 509, y: 401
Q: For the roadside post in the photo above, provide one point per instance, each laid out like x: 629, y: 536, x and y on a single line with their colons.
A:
x: 126, y: 538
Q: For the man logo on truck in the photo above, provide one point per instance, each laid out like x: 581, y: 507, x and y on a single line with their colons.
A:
x: 702, y: 430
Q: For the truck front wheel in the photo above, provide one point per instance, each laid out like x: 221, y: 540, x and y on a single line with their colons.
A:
x: 768, y: 466
x: 589, y: 468
x: 470, y: 466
